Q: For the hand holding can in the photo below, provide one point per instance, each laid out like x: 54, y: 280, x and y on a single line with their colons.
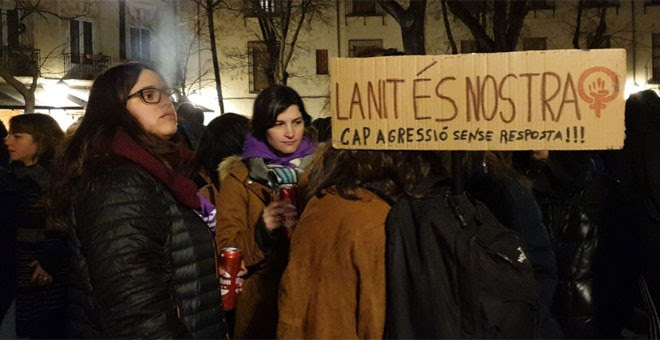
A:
x: 230, y: 264
x: 288, y: 194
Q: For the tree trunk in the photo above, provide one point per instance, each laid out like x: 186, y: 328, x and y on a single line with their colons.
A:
x: 272, y: 71
x: 413, y: 37
x: 450, y: 36
x: 483, y: 41
x: 507, y: 21
x: 517, y: 13
x: 26, y: 92
x: 597, y: 41
x: 30, y: 101
x: 214, y: 53
x: 411, y: 21
x: 578, y: 23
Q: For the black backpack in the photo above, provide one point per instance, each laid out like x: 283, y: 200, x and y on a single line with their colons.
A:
x: 453, y: 271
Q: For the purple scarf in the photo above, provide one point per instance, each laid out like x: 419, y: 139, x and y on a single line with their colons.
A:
x: 207, y: 213
x: 256, y: 148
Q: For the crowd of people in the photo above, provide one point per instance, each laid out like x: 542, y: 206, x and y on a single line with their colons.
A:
x: 115, y: 228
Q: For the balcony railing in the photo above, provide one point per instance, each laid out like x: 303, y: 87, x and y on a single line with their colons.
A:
x: 20, y: 60
x: 85, y: 66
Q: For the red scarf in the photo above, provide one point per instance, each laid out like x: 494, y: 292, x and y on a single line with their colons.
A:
x: 183, y: 189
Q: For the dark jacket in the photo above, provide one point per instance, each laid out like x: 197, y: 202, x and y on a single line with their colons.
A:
x: 514, y: 206
x: 570, y: 193
x: 39, y: 309
x: 9, y: 189
x: 631, y: 228
x: 144, y: 265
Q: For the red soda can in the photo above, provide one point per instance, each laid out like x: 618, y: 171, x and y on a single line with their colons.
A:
x: 288, y: 194
x: 230, y: 262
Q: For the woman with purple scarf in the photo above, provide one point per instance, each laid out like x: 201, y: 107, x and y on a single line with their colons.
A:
x: 250, y: 218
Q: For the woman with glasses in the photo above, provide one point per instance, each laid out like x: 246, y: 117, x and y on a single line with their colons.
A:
x: 144, y: 263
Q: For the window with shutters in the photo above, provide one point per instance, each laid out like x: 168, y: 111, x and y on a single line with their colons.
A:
x: 363, y: 7
x: 541, y: 4
x: 321, y: 61
x: 81, y: 39
x: 535, y: 44
x: 258, y: 63
x: 140, y: 39
x: 468, y: 46
x: 10, y: 29
x: 357, y: 48
x: 600, y: 3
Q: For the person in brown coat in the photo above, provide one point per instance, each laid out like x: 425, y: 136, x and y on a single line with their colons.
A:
x: 334, y: 284
x: 248, y: 216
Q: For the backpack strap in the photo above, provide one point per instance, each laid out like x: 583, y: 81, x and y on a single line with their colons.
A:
x: 464, y: 207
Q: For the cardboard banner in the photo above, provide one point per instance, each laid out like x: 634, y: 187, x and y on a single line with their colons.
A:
x: 537, y: 100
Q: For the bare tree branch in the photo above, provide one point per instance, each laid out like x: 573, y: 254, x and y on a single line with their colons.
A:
x: 29, y: 7
x: 478, y: 32
x: 411, y: 21
x: 508, y: 17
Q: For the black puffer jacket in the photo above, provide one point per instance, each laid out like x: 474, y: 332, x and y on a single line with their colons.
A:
x: 145, y: 264
x: 570, y: 193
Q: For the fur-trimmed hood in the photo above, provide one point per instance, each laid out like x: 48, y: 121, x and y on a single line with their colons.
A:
x: 227, y: 164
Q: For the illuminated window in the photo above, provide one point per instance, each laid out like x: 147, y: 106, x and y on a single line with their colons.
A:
x: 272, y: 7
x: 140, y: 44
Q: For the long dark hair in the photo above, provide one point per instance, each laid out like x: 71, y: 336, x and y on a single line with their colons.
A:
x: 389, y: 173
x: 45, y: 132
x: 496, y: 164
x: 223, y: 137
x: 106, y: 112
x: 270, y: 103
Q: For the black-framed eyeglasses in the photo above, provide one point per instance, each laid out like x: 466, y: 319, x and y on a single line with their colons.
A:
x: 152, y: 95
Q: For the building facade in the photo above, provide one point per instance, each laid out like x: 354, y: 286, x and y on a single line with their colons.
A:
x: 70, y: 42
x: 351, y: 26
x: 86, y: 36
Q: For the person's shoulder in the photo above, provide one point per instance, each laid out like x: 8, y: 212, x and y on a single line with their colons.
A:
x: 119, y: 183
x: 233, y: 166
x: 366, y: 205
x: 119, y: 172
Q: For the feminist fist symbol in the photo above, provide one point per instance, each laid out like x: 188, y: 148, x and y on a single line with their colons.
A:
x: 598, y: 94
